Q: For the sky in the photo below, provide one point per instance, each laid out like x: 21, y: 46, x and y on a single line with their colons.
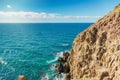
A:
x: 54, y: 11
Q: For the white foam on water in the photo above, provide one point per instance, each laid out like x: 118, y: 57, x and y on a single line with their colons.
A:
x: 2, y: 61
x: 1, y: 78
x: 52, y: 67
x: 59, y: 77
x: 51, y: 61
x: 45, y: 77
x: 6, y: 64
x: 6, y: 68
x: 59, y: 54
x: 65, y: 44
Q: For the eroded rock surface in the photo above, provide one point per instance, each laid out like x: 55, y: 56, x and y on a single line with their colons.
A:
x: 95, y: 54
x: 63, y: 65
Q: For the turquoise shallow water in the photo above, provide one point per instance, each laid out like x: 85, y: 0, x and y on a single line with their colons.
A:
x: 32, y: 49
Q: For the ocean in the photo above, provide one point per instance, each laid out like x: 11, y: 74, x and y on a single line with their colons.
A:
x: 31, y: 49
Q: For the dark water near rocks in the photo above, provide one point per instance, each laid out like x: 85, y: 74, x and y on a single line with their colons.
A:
x: 32, y: 49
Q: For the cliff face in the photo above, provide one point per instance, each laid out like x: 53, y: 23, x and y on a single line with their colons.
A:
x: 95, y: 54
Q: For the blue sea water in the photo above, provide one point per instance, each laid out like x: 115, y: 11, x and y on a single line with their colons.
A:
x: 32, y: 49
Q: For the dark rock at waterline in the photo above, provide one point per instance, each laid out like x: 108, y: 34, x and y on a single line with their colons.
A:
x: 66, y: 68
x: 59, y: 68
x: 67, y: 77
x: 65, y: 56
x: 63, y: 66
x: 65, y: 59
x: 60, y: 59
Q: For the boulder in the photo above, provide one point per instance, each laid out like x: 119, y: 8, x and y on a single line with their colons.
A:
x: 66, y: 68
x: 65, y: 56
x: 59, y: 68
x: 21, y: 77
x: 65, y: 59
x: 60, y: 59
x: 67, y: 77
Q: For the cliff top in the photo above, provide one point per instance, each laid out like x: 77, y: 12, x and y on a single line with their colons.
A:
x: 117, y: 8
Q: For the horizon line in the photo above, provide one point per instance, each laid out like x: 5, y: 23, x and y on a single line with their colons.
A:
x: 40, y: 22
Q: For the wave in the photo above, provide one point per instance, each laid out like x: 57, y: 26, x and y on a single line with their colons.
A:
x: 65, y: 44
x: 51, y: 61
x: 62, y: 45
x: 59, y: 54
x: 2, y: 61
x: 59, y: 77
x: 45, y: 77
x: 52, y: 68
x: 6, y: 64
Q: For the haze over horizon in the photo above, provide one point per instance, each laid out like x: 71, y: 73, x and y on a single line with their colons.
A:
x: 53, y: 11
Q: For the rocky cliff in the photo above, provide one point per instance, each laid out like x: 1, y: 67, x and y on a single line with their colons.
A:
x: 95, y: 54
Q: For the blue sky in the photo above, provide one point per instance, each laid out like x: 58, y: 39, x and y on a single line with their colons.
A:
x: 54, y: 10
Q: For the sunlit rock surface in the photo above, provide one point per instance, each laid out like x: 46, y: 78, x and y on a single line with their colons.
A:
x: 95, y: 54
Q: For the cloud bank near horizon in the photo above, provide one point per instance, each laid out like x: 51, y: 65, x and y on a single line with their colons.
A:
x: 23, y: 16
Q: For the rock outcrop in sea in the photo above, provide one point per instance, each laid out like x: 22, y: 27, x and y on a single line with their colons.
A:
x: 21, y: 77
x: 95, y: 54
x: 63, y: 66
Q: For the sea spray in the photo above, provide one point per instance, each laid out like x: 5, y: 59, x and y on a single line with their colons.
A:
x: 2, y: 61
x: 59, y: 77
x: 45, y: 77
x: 52, y: 64
x: 57, y: 55
x: 65, y: 44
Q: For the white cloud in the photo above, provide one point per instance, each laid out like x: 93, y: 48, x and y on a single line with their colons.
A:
x: 81, y: 17
x: 9, y: 6
x: 22, y: 16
